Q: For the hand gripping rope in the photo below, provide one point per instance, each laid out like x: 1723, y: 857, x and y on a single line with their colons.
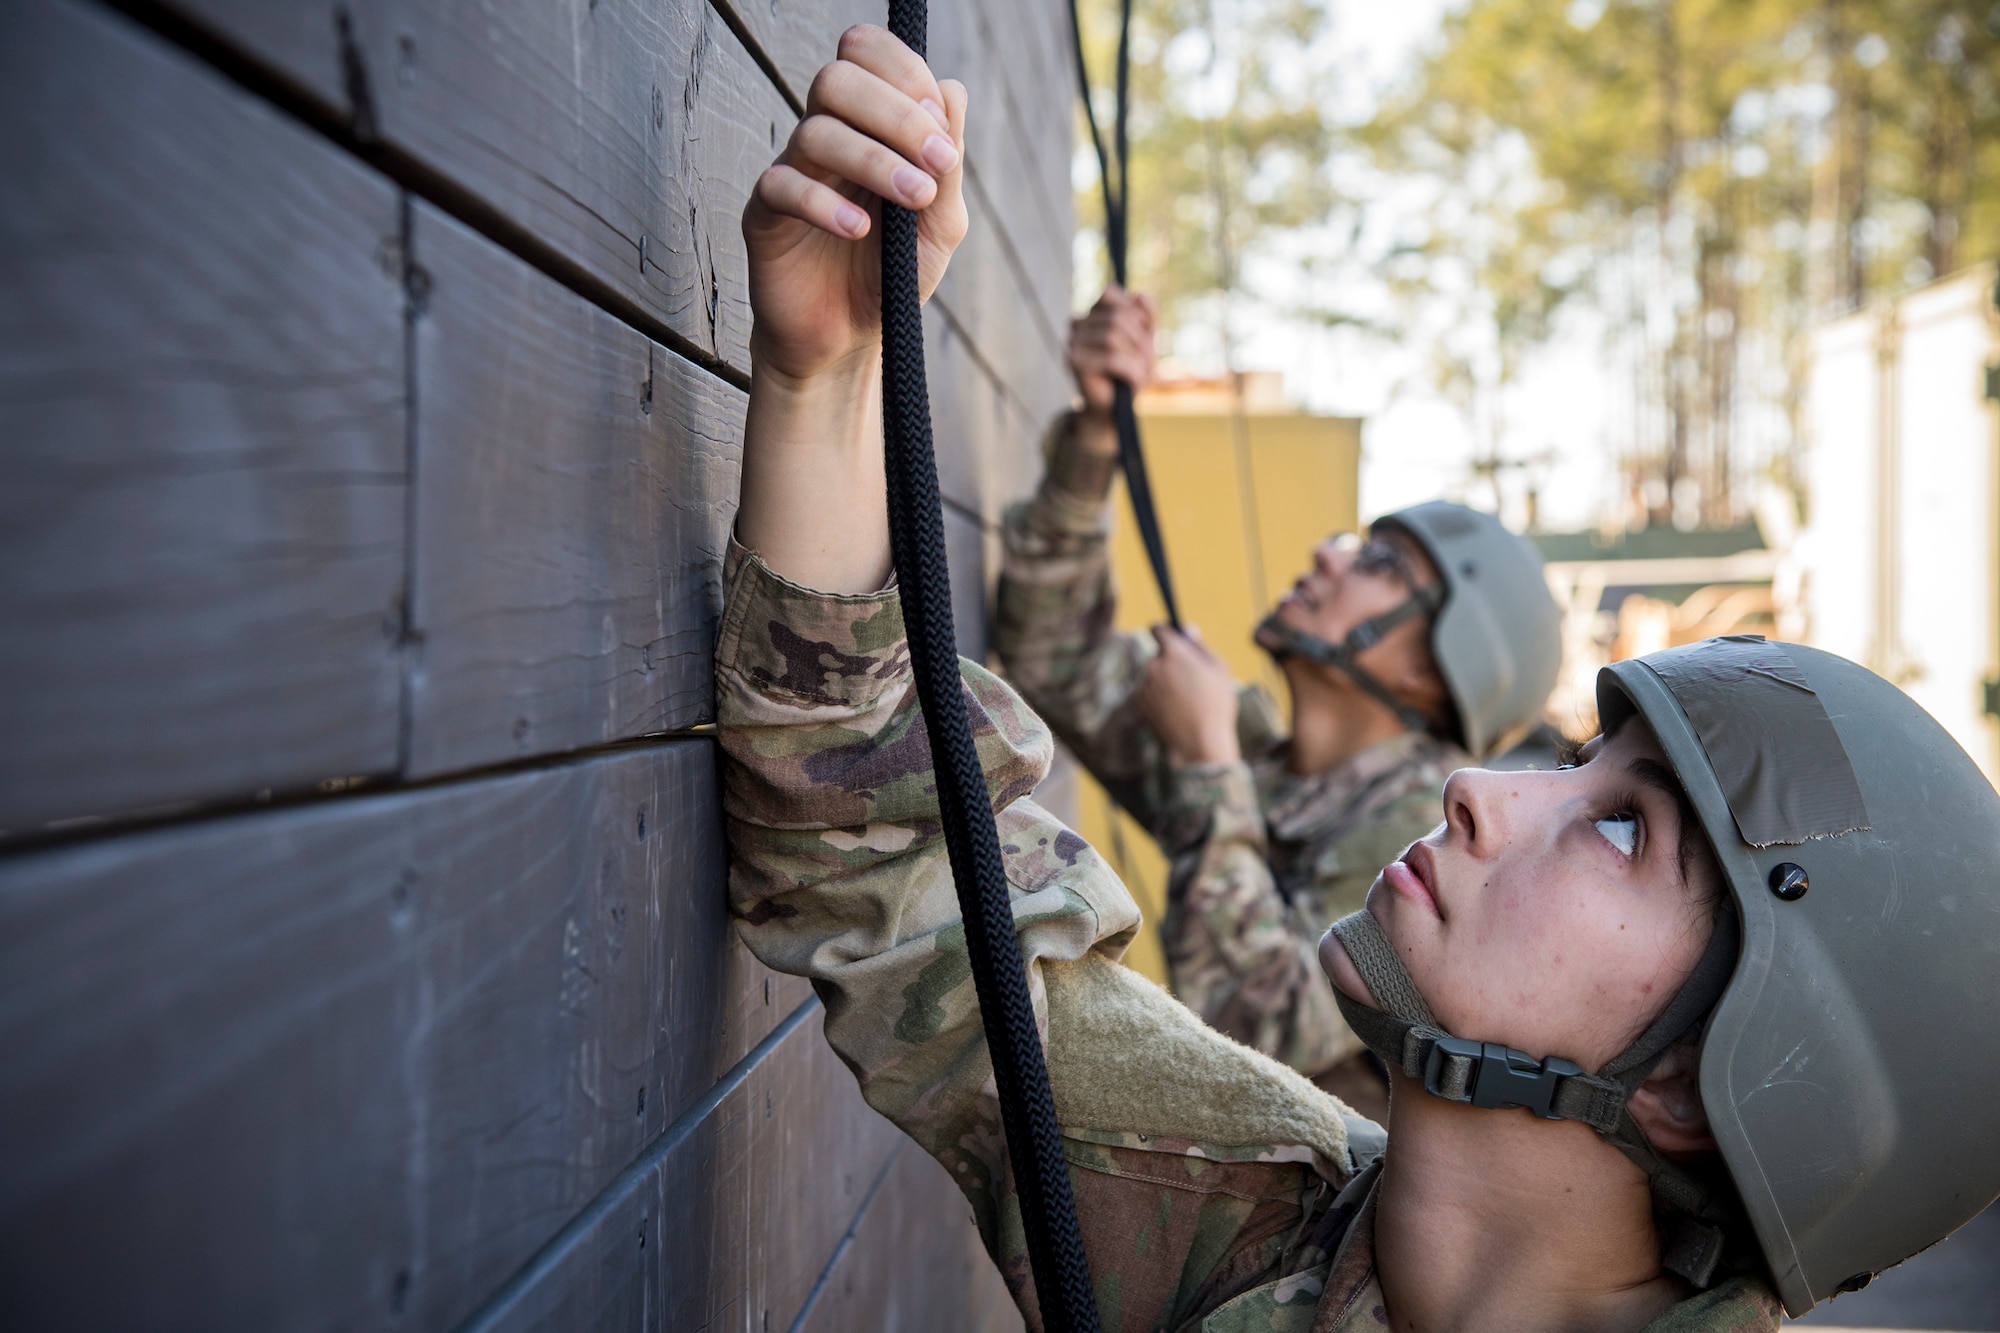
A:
x: 916, y: 537
x: 1130, y: 456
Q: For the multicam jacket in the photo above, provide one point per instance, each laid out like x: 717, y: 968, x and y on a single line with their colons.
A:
x: 1218, y: 1189
x: 1263, y: 860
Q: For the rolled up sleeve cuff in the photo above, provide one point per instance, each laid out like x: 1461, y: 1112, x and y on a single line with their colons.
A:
x: 780, y: 639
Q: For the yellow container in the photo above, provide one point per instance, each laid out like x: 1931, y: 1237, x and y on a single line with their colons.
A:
x: 1243, y: 499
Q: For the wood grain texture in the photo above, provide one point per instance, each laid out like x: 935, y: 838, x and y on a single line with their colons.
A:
x: 974, y: 553
x: 988, y: 435
x: 730, y: 1221
x: 201, y: 378
x: 998, y: 302
x: 618, y: 142
x: 1023, y: 92
x: 576, y: 484
x: 360, y: 1059
x: 912, y: 1262
x: 453, y: 1050
x: 798, y: 36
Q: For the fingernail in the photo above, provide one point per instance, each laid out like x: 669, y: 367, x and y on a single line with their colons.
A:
x: 937, y: 113
x: 850, y: 219
x: 909, y: 183
x: 939, y: 155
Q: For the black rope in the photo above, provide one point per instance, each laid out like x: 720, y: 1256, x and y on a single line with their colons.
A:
x: 1131, y: 456
x: 916, y: 536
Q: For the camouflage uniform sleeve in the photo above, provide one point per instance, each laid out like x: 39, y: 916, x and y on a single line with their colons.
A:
x: 1053, y: 628
x: 1238, y: 953
x: 839, y: 873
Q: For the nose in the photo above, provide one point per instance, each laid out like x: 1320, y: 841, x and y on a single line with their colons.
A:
x: 1479, y: 809
x: 1331, y: 556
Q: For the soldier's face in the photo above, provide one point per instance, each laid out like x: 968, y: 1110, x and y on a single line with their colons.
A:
x: 1351, y: 581
x: 1555, y: 912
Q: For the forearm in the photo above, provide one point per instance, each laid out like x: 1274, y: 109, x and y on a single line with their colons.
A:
x: 1053, y: 625
x: 1084, y: 461
x: 814, y: 503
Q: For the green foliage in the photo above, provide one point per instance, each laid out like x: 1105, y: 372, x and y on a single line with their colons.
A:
x: 1230, y: 142
x: 1710, y: 177
x: 1767, y: 162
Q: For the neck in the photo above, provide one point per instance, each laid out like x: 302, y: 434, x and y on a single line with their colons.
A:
x: 1492, y: 1219
x: 1331, y: 725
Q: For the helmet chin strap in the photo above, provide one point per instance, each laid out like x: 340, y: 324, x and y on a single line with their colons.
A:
x: 1344, y: 656
x: 1406, y: 1034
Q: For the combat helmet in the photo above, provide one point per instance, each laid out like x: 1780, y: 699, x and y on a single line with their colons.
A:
x: 1495, y: 631
x: 1850, y: 1061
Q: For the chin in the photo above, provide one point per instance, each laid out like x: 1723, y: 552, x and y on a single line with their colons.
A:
x: 1340, y: 970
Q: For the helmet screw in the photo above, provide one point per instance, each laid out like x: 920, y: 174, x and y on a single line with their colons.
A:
x: 1470, y: 569
x: 1789, y: 881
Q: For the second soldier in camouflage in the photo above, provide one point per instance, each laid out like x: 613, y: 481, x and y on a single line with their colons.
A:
x: 1271, y: 837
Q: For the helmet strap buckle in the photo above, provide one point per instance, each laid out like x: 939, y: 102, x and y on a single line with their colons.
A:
x: 1487, y: 1074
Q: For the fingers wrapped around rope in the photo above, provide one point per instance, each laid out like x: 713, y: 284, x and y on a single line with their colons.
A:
x: 877, y: 125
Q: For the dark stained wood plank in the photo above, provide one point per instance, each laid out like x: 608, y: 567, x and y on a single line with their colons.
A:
x: 729, y: 1220
x: 419, y: 1030
x: 628, y: 136
x: 576, y: 484
x: 974, y: 552
x: 617, y: 142
x: 201, y: 394
x: 1024, y: 98
x: 992, y: 294
x: 912, y: 1262
x: 1014, y: 310
x: 988, y: 440
x: 798, y: 36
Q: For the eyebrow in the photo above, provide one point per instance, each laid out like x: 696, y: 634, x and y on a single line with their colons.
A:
x: 1658, y: 776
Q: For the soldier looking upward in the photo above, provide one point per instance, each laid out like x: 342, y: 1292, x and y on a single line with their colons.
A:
x: 1695, y: 1027
x: 1405, y: 655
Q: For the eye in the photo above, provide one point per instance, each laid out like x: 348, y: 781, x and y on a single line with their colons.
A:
x: 1621, y: 831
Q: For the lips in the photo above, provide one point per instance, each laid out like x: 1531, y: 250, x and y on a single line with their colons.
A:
x: 1415, y: 877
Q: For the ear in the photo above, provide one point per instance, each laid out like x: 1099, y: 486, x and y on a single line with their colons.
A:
x: 1667, y: 1106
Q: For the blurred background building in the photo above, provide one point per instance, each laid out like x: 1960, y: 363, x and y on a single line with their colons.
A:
x: 1899, y: 561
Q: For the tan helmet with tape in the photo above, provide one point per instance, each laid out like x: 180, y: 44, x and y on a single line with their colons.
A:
x: 1850, y: 1058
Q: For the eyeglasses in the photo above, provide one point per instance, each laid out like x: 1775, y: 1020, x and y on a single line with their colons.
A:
x: 1378, y: 557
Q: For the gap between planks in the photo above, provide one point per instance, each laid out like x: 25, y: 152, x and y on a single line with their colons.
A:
x: 83, y: 827
x: 419, y: 179
x: 577, y: 1230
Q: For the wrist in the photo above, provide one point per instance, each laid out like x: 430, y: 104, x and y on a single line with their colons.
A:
x: 811, y: 498
x: 1078, y: 466
x: 1220, y: 749
x: 830, y: 381
x: 1213, y: 747
x: 1094, y: 431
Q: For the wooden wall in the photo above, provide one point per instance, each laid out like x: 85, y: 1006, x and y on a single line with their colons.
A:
x: 371, y: 387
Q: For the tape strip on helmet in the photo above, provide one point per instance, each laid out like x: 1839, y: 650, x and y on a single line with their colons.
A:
x: 1775, y: 753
